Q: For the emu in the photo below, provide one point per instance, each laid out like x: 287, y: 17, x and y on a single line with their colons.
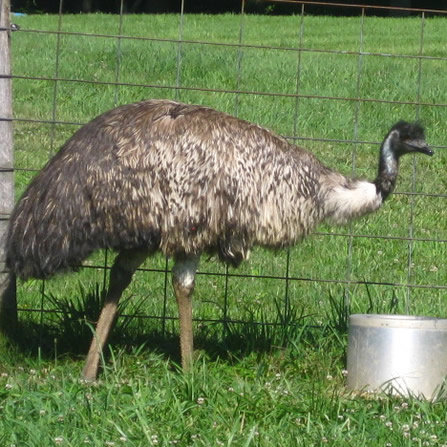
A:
x: 182, y: 179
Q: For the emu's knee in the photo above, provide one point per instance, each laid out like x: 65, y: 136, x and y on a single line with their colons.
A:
x: 183, y: 274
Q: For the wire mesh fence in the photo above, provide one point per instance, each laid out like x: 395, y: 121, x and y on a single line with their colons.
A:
x: 333, y: 85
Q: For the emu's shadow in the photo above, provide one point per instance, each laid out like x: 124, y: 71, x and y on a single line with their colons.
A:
x: 32, y: 338
x: 68, y: 332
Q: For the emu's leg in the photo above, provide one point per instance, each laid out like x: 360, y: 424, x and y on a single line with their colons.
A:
x: 121, y: 274
x: 183, y: 275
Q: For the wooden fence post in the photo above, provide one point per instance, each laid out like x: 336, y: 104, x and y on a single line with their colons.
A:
x: 8, y: 301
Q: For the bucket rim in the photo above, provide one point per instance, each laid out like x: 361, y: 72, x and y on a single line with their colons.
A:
x: 398, y: 321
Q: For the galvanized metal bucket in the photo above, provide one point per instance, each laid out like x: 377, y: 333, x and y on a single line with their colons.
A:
x: 399, y: 354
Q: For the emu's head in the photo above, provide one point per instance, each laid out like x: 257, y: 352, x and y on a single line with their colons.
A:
x: 406, y: 138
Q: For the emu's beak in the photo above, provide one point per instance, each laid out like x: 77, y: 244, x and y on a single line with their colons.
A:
x: 420, y: 146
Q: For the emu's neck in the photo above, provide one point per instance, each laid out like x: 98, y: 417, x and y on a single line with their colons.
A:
x: 388, y: 169
x: 351, y: 198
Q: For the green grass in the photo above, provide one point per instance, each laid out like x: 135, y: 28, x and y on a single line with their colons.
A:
x: 253, y: 384
x: 277, y: 399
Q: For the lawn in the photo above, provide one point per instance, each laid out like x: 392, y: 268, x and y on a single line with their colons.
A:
x: 274, y: 373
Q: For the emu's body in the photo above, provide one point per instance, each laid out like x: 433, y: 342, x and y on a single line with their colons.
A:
x: 183, y: 179
x: 172, y: 177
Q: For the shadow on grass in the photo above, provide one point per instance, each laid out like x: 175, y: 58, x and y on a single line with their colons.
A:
x: 68, y: 331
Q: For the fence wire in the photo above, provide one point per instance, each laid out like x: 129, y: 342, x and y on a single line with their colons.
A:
x: 298, y: 95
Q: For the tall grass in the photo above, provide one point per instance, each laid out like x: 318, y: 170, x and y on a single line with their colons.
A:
x: 274, y: 372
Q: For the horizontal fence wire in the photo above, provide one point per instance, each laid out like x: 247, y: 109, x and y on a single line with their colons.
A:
x: 361, y: 6
x: 229, y: 45
x: 177, y: 87
x: 229, y: 91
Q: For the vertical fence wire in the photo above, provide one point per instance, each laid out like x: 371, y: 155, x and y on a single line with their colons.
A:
x: 115, y: 103
x: 240, y: 53
x: 287, y: 304
x: 357, y: 105
x: 178, y: 80
x: 42, y: 313
x: 165, y: 298
x: 52, y: 143
x: 118, y: 54
x: 56, y: 77
x: 225, y: 315
x: 412, y: 198
x: 298, y: 72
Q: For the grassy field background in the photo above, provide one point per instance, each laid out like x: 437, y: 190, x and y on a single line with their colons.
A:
x: 253, y: 384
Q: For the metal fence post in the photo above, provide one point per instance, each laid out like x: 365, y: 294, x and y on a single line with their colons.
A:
x: 8, y: 301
